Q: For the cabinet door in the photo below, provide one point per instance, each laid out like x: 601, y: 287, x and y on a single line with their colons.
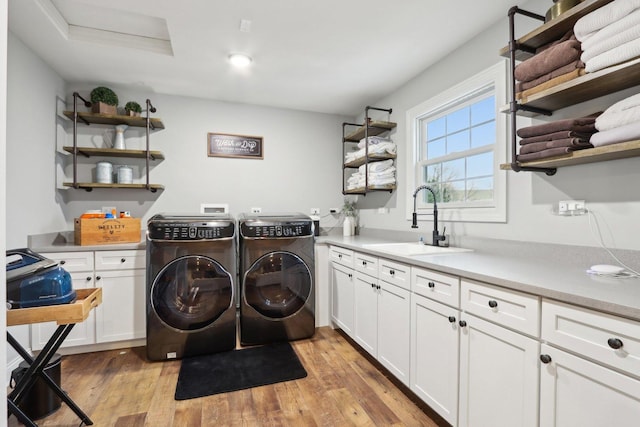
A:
x: 342, y: 297
x: 119, y: 260
x: 121, y: 316
x: 434, y: 356
x: 394, y: 330
x: 499, y: 373
x: 575, y: 392
x: 72, y: 261
x: 83, y: 333
x: 366, y: 312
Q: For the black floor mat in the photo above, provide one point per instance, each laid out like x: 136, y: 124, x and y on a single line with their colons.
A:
x: 237, y: 370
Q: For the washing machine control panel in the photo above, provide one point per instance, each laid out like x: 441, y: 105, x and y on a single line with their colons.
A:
x: 294, y: 229
x: 195, y: 231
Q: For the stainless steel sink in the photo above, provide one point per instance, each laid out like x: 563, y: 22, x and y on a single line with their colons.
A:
x: 413, y: 248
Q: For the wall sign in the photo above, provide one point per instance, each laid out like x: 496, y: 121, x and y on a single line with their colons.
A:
x: 227, y: 145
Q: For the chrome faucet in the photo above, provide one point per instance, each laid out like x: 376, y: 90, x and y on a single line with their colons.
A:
x: 436, y: 236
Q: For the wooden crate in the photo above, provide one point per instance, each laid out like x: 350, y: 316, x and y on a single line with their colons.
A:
x: 63, y: 314
x: 103, y: 231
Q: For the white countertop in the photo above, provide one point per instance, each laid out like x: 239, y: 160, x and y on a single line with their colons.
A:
x: 560, y: 276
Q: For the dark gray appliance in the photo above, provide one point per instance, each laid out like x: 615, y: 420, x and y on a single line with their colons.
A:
x: 276, y: 277
x: 191, y: 285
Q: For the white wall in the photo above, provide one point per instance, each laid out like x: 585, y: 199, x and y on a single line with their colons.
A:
x: 3, y: 182
x: 609, y: 188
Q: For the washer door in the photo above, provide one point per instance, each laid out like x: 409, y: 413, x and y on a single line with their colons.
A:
x: 277, y: 285
x: 191, y: 292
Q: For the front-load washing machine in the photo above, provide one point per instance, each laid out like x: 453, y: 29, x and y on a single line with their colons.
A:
x: 276, y: 277
x: 191, y: 279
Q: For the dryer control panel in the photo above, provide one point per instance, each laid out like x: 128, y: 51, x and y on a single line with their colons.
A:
x: 185, y: 231
x: 287, y: 230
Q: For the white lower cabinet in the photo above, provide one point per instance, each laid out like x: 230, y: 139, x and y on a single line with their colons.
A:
x: 122, y: 314
x: 434, y: 356
x: 498, y: 376
x: 342, y: 297
x: 366, y: 312
x: 394, y: 330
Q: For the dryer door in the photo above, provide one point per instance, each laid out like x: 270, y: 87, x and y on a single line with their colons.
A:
x: 278, y: 284
x: 191, y: 292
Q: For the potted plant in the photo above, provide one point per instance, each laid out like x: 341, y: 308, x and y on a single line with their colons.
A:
x: 104, y: 101
x: 350, y: 213
x: 133, y: 109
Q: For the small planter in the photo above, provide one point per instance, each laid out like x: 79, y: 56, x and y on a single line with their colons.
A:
x: 102, y: 108
x: 133, y: 113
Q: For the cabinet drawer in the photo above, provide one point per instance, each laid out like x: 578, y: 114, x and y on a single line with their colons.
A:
x: 120, y: 260
x: 593, y: 334
x: 436, y: 286
x: 512, y: 309
x: 394, y: 272
x: 72, y: 261
x: 365, y: 263
x: 341, y: 256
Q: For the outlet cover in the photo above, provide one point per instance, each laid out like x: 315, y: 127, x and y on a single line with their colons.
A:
x: 256, y: 210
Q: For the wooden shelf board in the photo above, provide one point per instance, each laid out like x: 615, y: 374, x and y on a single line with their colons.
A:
x: 108, y: 119
x: 63, y: 314
x: 621, y: 150
x: 361, y: 190
x: 91, y: 185
x: 375, y: 128
x: 554, y: 29
x: 372, y: 158
x: 112, y: 152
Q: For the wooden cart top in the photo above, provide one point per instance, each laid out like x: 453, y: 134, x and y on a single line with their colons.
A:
x: 62, y: 314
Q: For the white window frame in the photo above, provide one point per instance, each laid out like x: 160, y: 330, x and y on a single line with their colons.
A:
x: 495, y: 211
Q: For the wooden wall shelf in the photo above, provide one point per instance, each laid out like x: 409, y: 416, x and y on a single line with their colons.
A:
x: 108, y: 119
x: 112, y: 152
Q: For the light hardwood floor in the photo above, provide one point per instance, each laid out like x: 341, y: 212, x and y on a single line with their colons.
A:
x: 343, y: 387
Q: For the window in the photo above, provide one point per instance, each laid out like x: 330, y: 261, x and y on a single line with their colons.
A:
x: 459, y: 141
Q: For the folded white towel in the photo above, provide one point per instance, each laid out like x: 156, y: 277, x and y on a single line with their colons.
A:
x: 383, y: 147
x: 624, y: 104
x: 624, y: 133
x: 617, y: 55
x: 615, y: 120
x: 377, y: 166
x: 372, y: 141
x: 604, y: 16
x: 611, y: 36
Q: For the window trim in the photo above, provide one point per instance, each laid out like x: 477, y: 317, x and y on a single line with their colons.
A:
x: 495, y: 75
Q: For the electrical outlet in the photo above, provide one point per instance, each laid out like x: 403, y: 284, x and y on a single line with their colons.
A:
x: 572, y: 207
x: 256, y: 210
x: 315, y: 211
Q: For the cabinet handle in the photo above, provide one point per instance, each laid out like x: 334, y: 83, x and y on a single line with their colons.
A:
x: 462, y: 323
x: 615, y: 343
x: 378, y: 287
x: 545, y: 358
x: 340, y: 256
x: 62, y: 262
x: 123, y: 259
x: 88, y: 278
x: 373, y: 285
x: 431, y: 285
x: 98, y: 277
x: 493, y: 303
x: 392, y: 272
x: 452, y: 319
x: 350, y: 275
x: 364, y: 263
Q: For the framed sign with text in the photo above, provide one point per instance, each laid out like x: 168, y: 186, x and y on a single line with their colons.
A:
x: 229, y: 145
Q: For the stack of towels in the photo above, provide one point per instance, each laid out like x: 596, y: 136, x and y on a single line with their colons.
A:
x: 554, y: 63
x: 555, y: 138
x: 610, y: 35
x: 380, y: 173
x: 377, y: 145
x: 618, y: 123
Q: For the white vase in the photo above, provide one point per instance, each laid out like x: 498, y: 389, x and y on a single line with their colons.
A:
x: 348, y: 226
x: 119, y: 143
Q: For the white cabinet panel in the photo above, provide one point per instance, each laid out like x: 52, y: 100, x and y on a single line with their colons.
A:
x: 499, y: 373
x: 575, y: 392
x: 342, y: 297
x: 122, y: 314
x: 366, y: 312
x: 395, y: 273
x: 366, y: 264
x: 436, y: 286
x: 341, y: 256
x: 394, y: 330
x: 434, y: 356
x: 119, y: 260
x: 72, y: 261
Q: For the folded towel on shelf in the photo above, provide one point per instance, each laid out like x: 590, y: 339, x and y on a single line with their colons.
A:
x: 380, y: 148
x: 564, y: 134
x: 372, y: 141
x: 544, y: 154
x: 580, y: 124
x: 377, y: 166
x: 617, y: 55
x: 613, y: 35
x: 603, y: 16
x: 575, y: 143
x: 618, y: 119
x: 624, y: 133
x: 548, y: 60
x: 622, y: 105
x: 563, y: 71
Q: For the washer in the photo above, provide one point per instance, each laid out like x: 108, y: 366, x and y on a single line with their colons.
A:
x: 191, y: 279
x: 277, y: 277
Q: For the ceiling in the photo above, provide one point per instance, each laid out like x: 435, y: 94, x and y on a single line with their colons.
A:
x: 330, y: 56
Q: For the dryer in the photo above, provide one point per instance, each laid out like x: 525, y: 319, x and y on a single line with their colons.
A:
x: 191, y: 285
x: 276, y: 277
